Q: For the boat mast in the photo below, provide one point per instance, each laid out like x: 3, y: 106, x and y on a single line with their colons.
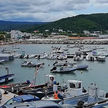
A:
x: 36, y: 72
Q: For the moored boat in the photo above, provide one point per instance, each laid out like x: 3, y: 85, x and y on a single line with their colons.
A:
x: 81, y: 67
x: 100, y: 58
x: 6, y: 78
x: 62, y: 69
x: 30, y: 64
x: 72, y: 93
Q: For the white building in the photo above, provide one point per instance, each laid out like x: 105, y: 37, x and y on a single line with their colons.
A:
x: 60, y: 30
x: 86, y: 32
x: 16, y: 34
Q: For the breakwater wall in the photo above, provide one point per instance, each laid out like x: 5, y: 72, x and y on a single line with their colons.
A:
x: 66, y: 41
x: 59, y: 41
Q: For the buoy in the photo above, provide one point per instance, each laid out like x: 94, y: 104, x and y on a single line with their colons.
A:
x: 81, y: 72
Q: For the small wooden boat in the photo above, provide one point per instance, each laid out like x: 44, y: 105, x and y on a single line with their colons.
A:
x: 39, y: 92
x: 14, y: 87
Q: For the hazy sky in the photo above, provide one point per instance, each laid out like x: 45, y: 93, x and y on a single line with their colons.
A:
x: 48, y: 10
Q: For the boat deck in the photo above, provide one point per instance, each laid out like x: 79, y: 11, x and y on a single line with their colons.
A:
x: 6, y: 97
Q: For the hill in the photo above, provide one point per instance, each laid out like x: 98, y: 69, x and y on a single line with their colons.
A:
x: 23, y: 26
x: 79, y: 23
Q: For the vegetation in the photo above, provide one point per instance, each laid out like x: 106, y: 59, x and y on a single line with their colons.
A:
x: 98, y: 22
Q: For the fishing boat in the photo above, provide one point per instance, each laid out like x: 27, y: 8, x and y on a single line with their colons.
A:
x: 95, y: 95
x: 73, y: 92
x: 6, y: 78
x: 14, y: 87
x: 39, y: 92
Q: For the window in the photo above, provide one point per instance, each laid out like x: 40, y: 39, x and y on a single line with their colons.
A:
x: 72, y: 85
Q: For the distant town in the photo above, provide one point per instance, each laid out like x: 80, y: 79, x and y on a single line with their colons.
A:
x: 61, y: 36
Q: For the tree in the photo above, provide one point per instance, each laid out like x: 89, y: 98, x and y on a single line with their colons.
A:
x: 2, y: 36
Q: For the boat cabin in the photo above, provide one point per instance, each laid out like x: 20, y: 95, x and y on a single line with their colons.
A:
x: 75, y: 87
x: 6, y: 57
x: 50, y: 79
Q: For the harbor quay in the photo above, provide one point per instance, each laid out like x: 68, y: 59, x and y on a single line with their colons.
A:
x: 6, y: 96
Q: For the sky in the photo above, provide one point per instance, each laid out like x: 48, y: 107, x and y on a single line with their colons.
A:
x: 48, y: 10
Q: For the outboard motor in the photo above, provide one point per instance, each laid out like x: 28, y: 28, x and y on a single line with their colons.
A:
x: 80, y: 104
x: 84, y: 90
x: 54, y: 68
x: 106, y: 95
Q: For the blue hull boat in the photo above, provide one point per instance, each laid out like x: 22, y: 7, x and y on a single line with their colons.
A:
x: 6, y: 78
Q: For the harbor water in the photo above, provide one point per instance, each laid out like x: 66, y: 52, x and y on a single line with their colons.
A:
x: 97, y: 71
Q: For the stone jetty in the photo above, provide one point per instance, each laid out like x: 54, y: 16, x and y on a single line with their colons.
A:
x: 66, y: 41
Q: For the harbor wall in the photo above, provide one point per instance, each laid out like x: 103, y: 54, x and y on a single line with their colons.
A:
x: 66, y: 41
x: 59, y: 41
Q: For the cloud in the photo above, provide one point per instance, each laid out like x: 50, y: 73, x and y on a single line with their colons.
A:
x: 100, y: 4
x: 42, y: 10
x: 101, y: 1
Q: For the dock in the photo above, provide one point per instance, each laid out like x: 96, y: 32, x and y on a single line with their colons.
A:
x: 6, y: 97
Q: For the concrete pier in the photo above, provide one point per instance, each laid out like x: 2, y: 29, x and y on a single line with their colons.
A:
x: 6, y: 97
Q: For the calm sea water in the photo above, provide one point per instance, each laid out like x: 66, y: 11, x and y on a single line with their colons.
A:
x: 97, y: 72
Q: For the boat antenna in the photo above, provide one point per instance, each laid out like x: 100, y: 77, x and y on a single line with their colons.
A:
x: 7, y: 70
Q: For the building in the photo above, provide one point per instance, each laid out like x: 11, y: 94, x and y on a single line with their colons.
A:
x: 86, y: 32
x: 16, y: 34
